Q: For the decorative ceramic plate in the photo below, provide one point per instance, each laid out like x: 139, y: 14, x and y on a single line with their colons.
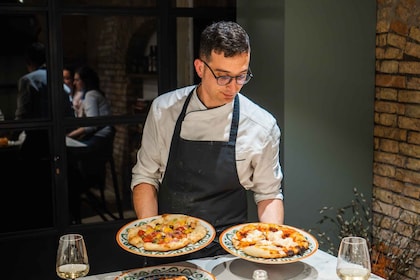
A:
x: 226, y: 242
x: 160, y: 272
x: 122, y: 240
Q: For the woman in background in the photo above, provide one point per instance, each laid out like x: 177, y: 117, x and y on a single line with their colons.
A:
x: 93, y: 104
x: 87, y: 164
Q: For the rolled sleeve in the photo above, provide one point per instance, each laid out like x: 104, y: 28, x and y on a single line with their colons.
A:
x: 266, y: 175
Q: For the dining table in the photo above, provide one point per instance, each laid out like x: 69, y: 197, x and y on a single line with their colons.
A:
x: 320, y: 265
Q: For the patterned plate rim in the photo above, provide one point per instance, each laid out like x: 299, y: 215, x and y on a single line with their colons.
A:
x: 225, y: 240
x: 122, y: 240
x: 166, y: 270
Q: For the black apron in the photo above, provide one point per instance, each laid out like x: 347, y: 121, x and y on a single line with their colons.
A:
x: 201, y: 180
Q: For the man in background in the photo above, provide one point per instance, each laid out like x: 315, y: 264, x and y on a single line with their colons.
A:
x: 32, y: 100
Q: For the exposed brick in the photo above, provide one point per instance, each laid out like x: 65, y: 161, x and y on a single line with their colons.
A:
x: 396, y: 40
x: 410, y: 150
x: 390, y: 81
x: 409, y: 4
x: 388, y: 183
x: 413, y: 137
x: 402, y: 229
x: 413, y: 83
x: 409, y: 96
x: 385, y: 196
x: 387, y: 145
x: 399, y: 27
x: 402, y: 12
x: 390, y: 133
x: 408, y: 176
x: 376, y: 142
x: 413, y: 49
x: 385, y: 208
x: 414, y: 33
x: 409, y: 123
x: 385, y: 13
x: 386, y: 119
x: 381, y: 40
x: 389, y: 66
x: 407, y: 216
x: 409, y: 67
x: 393, y: 53
x: 413, y: 164
x: 388, y: 107
x: 382, y: 3
x: 379, y: 53
x: 412, y: 111
x: 384, y: 170
x: 382, y: 26
x: 409, y: 204
x: 388, y: 158
x: 386, y: 93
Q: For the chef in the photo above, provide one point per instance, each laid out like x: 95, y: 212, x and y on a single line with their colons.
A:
x: 204, y: 146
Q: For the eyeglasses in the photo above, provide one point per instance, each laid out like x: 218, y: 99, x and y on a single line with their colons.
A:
x: 225, y: 80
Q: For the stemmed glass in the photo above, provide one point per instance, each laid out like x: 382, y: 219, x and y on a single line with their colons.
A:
x: 353, y: 260
x: 72, y: 259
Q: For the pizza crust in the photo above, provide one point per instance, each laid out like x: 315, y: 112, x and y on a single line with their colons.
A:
x: 265, y: 240
x: 167, y: 232
x: 174, y: 278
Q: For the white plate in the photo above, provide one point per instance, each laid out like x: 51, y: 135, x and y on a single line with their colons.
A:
x: 157, y: 272
x: 122, y: 240
x: 225, y: 240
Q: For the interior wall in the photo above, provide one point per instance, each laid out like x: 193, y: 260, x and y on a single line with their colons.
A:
x: 264, y: 22
x: 314, y: 64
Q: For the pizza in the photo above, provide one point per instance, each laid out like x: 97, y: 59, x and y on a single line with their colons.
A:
x: 167, y: 232
x: 265, y: 240
x: 174, y: 278
x: 4, y: 141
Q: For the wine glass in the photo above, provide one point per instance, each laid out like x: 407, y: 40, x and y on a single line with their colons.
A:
x: 353, y: 260
x: 72, y: 259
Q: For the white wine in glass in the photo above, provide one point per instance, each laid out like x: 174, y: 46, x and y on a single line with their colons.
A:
x: 353, y: 260
x: 72, y: 259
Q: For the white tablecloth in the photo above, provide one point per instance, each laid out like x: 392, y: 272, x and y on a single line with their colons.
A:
x: 227, y: 267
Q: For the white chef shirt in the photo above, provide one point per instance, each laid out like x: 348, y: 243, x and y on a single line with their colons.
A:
x: 257, y: 142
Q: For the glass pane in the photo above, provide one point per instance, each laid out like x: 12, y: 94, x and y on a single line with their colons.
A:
x: 185, y: 51
x: 103, y: 170
x: 26, y: 174
x: 121, y: 50
x: 14, y: 54
x: 108, y: 3
x: 203, y: 3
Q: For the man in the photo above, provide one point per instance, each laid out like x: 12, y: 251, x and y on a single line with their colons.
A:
x: 32, y: 100
x: 203, y: 146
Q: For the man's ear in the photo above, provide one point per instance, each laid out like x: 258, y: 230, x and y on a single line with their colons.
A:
x: 198, y: 65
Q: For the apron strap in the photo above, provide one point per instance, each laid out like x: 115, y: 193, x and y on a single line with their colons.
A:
x: 235, y: 122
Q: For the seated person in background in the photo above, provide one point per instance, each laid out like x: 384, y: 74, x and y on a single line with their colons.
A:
x: 94, y: 104
x: 73, y: 91
x: 87, y: 164
x: 68, y: 75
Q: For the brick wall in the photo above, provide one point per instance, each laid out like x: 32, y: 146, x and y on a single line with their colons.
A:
x: 396, y: 170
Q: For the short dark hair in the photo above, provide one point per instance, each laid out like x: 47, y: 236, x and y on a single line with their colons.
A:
x: 225, y: 37
x: 35, y: 54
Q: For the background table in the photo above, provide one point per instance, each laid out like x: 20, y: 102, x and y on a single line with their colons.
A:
x: 228, y: 267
